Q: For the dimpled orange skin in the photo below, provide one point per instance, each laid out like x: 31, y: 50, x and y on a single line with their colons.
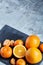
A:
x: 32, y: 41
x: 17, y: 42
x: 20, y: 62
x: 6, y: 52
x: 33, y: 55
x: 41, y: 47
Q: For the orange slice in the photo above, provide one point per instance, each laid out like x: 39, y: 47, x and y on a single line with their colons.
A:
x: 19, y: 51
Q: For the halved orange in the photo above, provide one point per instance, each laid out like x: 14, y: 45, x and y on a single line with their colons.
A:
x: 19, y: 51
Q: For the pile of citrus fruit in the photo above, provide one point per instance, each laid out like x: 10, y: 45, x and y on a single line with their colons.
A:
x: 31, y: 50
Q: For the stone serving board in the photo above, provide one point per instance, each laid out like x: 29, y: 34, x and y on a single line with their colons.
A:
x: 10, y: 33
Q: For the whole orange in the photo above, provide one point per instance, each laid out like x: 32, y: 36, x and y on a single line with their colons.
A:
x: 41, y: 47
x: 20, y: 62
x: 32, y: 41
x: 6, y: 52
x: 18, y: 42
x: 33, y: 55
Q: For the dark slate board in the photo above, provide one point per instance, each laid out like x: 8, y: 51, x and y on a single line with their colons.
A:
x: 8, y: 32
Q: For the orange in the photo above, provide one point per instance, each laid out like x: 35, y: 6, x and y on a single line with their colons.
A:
x: 41, y: 47
x: 19, y: 51
x: 6, y: 52
x: 20, y: 62
x: 32, y: 41
x: 19, y: 41
x: 33, y: 55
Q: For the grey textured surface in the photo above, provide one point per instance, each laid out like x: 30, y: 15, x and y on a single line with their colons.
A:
x: 24, y: 15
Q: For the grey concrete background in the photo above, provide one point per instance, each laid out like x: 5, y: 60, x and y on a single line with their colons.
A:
x: 24, y: 15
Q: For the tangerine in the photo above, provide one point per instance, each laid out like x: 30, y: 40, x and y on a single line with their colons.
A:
x: 6, y: 52
x: 17, y: 42
x: 20, y: 62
